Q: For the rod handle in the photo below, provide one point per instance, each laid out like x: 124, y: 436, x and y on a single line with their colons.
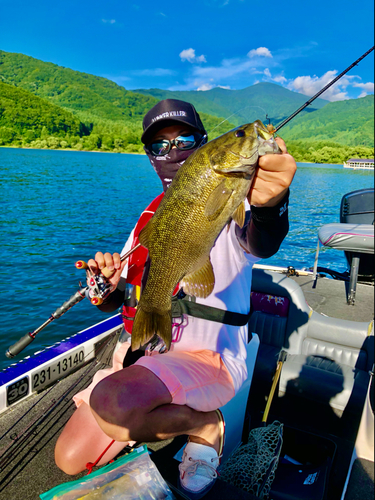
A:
x: 19, y: 346
x: 107, y: 273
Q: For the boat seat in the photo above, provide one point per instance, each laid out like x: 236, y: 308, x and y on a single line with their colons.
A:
x: 356, y: 240
x: 334, y: 364
x: 325, y: 356
x: 323, y: 380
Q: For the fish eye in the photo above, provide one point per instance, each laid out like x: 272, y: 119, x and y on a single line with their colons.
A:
x: 240, y: 133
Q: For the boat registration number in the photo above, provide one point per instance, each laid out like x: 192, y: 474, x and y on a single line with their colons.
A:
x: 58, y: 369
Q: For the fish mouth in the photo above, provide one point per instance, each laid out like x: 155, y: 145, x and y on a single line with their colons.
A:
x: 244, y: 158
x: 268, y: 146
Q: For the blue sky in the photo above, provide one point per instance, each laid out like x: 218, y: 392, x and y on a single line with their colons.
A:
x: 200, y: 44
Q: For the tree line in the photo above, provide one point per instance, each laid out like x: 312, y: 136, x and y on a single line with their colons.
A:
x: 27, y: 120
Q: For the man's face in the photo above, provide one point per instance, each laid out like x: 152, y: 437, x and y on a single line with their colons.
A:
x: 171, y: 132
x: 160, y: 150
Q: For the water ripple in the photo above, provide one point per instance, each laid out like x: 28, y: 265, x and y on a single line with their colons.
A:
x: 59, y: 206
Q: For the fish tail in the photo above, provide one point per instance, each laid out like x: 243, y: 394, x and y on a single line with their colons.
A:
x: 147, y: 324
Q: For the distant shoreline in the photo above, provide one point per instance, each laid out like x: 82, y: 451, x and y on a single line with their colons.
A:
x: 75, y: 150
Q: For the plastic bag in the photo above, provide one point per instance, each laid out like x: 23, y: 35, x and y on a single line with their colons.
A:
x: 133, y: 476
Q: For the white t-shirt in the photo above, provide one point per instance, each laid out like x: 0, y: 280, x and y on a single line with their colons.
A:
x: 233, y: 270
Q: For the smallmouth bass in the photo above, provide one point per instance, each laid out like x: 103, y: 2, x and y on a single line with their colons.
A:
x: 207, y: 192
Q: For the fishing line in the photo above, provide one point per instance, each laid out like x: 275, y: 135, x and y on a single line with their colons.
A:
x: 234, y: 114
x: 307, y: 103
x: 332, y: 82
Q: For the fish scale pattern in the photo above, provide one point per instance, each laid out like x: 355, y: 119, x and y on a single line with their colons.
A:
x: 206, y: 193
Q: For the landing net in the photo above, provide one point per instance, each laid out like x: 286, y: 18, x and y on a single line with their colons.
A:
x: 252, y: 466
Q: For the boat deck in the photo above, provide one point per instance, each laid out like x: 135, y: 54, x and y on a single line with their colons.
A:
x: 328, y: 297
x: 29, y: 430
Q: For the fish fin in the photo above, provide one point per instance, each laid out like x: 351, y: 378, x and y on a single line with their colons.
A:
x: 144, y: 235
x: 147, y: 324
x: 217, y: 201
x: 201, y: 282
x: 239, y: 215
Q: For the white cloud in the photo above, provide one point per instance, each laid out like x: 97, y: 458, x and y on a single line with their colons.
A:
x: 205, y: 86
x: 277, y: 79
x: 368, y: 87
x: 260, y: 51
x: 362, y: 94
x: 109, y: 21
x: 260, y: 64
x: 209, y: 86
x: 280, y: 79
x: 310, y: 85
x: 189, y: 55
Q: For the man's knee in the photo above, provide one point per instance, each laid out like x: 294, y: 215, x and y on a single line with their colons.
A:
x: 68, y: 459
x: 126, y: 396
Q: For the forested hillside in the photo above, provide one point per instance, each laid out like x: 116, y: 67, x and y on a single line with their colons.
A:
x: 339, y: 131
x: 43, y: 105
x: 109, y: 116
x: 72, y: 89
x: 23, y: 114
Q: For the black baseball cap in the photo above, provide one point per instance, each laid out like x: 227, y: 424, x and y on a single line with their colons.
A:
x: 166, y: 113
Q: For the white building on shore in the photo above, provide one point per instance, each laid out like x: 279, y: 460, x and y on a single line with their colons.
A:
x: 355, y: 163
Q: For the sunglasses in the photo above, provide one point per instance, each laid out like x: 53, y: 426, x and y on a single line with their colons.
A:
x: 182, y: 142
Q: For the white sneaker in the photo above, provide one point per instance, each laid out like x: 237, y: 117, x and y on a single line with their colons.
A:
x: 198, y: 467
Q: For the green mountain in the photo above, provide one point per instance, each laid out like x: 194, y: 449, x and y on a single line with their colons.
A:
x: 39, y: 99
x: 24, y: 114
x: 111, y: 114
x: 350, y: 123
x: 72, y: 89
x: 243, y: 106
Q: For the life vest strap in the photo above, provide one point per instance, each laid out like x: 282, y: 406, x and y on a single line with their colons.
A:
x: 188, y: 306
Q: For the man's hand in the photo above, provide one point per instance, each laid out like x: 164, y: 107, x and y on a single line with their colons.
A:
x: 273, y: 178
x: 111, y: 262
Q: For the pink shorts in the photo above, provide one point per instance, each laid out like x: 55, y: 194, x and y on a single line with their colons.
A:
x: 198, y: 379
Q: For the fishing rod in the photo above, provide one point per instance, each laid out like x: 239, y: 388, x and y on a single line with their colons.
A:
x: 307, y: 103
x: 97, y: 289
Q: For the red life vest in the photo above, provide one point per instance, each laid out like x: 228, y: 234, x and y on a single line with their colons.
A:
x: 136, y: 264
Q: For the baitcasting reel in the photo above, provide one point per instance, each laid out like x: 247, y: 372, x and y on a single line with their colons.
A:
x: 98, y: 285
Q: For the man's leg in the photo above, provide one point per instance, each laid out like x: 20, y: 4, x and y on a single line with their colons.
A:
x: 83, y: 441
x: 135, y: 405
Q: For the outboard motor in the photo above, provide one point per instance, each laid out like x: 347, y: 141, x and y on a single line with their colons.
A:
x: 357, y: 207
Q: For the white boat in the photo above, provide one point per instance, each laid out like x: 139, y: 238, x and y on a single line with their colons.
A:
x: 324, y: 399
x: 359, y: 163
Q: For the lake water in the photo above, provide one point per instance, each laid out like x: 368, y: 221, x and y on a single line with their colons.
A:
x: 60, y: 206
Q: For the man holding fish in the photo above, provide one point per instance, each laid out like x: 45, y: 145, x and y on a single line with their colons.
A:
x: 226, y: 207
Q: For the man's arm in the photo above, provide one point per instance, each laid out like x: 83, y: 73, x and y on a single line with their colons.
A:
x: 268, y: 224
x: 264, y: 229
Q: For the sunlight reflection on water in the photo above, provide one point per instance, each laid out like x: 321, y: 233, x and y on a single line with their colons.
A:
x: 59, y: 206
